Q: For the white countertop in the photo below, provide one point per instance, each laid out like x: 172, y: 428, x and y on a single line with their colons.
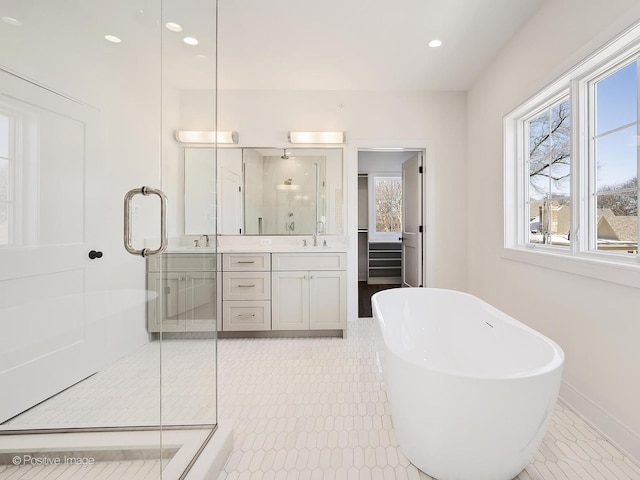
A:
x: 255, y: 249
x: 255, y: 244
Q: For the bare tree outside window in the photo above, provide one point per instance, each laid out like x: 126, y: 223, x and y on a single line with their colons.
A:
x: 550, y: 175
x: 550, y: 149
x: 621, y: 199
x: 388, y: 204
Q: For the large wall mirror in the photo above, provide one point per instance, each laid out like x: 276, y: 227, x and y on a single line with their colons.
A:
x: 264, y: 191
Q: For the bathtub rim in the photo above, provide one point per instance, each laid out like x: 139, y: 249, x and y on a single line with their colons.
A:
x: 555, y: 363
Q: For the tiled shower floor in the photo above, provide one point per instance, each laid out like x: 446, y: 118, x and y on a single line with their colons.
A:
x: 311, y: 408
x: 317, y: 409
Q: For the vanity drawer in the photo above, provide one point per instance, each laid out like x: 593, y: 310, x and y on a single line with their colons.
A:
x: 237, y: 262
x: 180, y: 262
x: 310, y: 261
x: 244, y: 316
x: 246, y: 286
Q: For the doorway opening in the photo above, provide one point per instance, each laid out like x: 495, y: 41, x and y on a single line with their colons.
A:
x: 390, y: 222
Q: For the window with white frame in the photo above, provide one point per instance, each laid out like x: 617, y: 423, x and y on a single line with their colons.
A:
x: 548, y: 155
x: 6, y: 168
x: 385, y: 222
x: 571, y: 167
x: 613, y: 148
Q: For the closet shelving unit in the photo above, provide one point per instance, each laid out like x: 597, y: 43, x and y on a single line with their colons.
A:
x: 385, y: 263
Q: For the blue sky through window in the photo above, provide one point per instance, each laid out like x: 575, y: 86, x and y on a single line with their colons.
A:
x: 616, y: 106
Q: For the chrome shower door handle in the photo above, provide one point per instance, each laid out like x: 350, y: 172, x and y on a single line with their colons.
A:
x: 164, y: 239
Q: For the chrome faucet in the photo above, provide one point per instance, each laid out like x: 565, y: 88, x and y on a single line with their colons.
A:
x: 206, y: 239
x: 315, y: 240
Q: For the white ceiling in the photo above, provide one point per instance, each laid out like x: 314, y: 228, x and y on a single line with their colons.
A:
x: 276, y: 44
x: 362, y: 44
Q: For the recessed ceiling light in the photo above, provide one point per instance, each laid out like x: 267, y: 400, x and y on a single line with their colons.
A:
x: 12, y: 21
x: 435, y: 43
x: 190, y: 40
x: 174, y: 27
x: 112, y: 38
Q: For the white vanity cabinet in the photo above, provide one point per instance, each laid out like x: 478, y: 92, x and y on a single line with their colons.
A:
x: 246, y: 291
x: 309, y: 291
x: 187, y: 292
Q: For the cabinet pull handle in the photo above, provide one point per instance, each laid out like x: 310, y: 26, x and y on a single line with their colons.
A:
x: 246, y: 286
x: 246, y: 261
x: 240, y: 315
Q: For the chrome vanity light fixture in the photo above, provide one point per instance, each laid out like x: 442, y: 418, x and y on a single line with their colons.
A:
x: 317, y: 137
x: 206, y: 136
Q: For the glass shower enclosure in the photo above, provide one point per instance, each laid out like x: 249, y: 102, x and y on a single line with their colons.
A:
x: 107, y: 358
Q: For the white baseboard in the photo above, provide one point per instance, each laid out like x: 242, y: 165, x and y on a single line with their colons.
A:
x: 619, y: 434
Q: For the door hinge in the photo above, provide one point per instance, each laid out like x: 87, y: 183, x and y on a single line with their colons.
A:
x: 420, y: 229
x: 420, y: 169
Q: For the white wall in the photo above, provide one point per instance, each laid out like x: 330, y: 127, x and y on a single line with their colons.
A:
x: 597, y: 323
x: 435, y: 121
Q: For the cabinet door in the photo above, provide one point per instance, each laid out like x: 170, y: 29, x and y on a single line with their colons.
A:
x: 327, y: 300
x: 167, y: 306
x: 199, y: 313
x: 290, y: 301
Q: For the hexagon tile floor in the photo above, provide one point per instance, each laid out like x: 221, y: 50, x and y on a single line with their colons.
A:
x: 316, y: 408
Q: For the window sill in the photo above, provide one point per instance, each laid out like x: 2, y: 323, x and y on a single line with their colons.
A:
x: 627, y: 273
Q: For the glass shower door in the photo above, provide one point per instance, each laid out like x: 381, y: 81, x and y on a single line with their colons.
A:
x: 88, y: 100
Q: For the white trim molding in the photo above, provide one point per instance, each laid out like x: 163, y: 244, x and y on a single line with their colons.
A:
x: 619, y: 434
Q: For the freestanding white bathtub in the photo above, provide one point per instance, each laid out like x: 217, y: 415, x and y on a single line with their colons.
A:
x: 471, y: 389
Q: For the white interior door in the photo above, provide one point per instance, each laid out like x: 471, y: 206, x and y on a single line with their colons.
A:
x: 412, y: 222
x: 50, y: 222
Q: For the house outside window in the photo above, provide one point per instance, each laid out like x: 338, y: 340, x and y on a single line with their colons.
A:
x: 571, y: 169
x: 614, y: 147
